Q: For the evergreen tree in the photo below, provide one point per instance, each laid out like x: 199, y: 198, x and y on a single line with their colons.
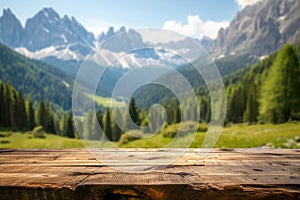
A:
x: 64, y: 125
x: 100, y: 118
x: 5, y: 112
x: 56, y: 124
x: 10, y: 102
x: 41, y: 116
x: 177, y: 115
x: 79, y: 128
x: 251, y: 112
x: 21, y: 112
x: 7, y: 107
x: 205, y: 109
x: 2, y: 103
x: 108, y: 124
x: 117, y: 132
x: 14, y: 114
x: 30, y: 114
x: 132, y: 115
x: 280, y: 90
x: 70, y: 127
x: 134, y: 112
x: 237, y: 104
x: 51, y: 123
x: 157, y: 119
x: 87, y: 125
x: 97, y: 133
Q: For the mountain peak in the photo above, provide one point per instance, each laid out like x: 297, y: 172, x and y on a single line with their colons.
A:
x: 49, y: 10
x: 46, y: 29
x: 122, y: 29
x: 111, y: 31
x: 12, y: 32
x: 66, y: 17
x: 48, y: 13
x: 7, y: 12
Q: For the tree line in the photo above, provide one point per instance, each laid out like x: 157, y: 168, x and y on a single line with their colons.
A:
x: 17, y: 113
x: 268, y: 92
x: 29, y: 76
x: 103, y: 126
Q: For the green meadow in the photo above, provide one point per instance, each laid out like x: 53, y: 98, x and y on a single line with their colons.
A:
x: 233, y: 136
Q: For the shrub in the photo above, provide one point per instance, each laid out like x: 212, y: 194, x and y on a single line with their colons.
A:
x: 4, y: 142
x: 131, y: 136
x: 227, y: 125
x: 186, y: 127
x: 145, y: 127
x: 38, y: 132
x: 202, y: 127
x: 5, y: 134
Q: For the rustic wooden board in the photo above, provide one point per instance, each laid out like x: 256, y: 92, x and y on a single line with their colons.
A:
x: 222, y: 174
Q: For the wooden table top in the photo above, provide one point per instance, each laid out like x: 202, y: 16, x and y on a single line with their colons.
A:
x: 222, y: 174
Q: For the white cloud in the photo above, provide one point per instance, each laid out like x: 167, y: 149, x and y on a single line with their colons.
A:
x: 157, y: 35
x: 196, y: 27
x: 243, y: 3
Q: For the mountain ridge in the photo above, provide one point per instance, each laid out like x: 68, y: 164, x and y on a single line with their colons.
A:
x: 46, y: 34
x: 44, y: 30
x: 260, y: 29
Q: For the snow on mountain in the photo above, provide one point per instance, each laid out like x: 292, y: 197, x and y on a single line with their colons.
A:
x: 136, y: 58
x: 47, y: 34
x: 62, y: 52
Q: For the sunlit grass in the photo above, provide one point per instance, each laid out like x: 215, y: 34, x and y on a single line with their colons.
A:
x: 106, y: 101
x: 236, y: 136
x: 25, y: 140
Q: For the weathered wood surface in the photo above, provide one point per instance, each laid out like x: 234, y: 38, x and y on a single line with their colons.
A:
x: 223, y: 174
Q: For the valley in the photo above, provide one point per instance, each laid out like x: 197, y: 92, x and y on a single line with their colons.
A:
x: 256, y: 56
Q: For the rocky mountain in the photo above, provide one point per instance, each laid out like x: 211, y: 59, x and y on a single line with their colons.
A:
x: 46, y: 29
x: 12, y: 33
x: 257, y: 30
x: 260, y: 29
x: 130, y: 40
x: 207, y: 43
x: 45, y: 34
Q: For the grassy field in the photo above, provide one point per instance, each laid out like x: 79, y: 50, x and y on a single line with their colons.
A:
x: 237, y: 136
x: 106, y: 101
x: 25, y: 140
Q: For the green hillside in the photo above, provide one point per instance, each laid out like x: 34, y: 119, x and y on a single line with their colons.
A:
x: 40, y: 80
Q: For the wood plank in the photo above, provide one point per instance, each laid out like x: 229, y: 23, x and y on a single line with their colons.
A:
x: 77, y: 174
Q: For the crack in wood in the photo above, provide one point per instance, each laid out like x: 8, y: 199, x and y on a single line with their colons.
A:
x: 75, y: 174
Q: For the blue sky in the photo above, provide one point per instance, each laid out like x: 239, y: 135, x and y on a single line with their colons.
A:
x: 97, y: 15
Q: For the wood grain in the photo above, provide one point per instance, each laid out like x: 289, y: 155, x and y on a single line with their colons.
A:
x: 76, y: 174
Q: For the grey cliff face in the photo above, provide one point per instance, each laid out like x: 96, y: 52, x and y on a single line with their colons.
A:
x: 260, y: 29
x: 46, y: 28
x: 11, y: 31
